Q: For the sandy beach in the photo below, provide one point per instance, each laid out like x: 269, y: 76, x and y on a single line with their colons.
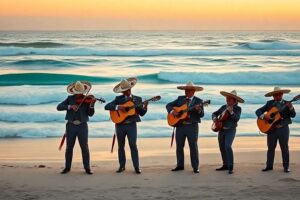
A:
x: 30, y: 170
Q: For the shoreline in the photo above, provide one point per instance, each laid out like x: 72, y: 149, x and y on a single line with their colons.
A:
x: 37, y: 148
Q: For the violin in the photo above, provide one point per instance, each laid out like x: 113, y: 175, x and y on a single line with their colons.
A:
x: 87, y: 99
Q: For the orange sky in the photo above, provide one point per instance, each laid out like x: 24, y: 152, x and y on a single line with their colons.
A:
x: 150, y: 14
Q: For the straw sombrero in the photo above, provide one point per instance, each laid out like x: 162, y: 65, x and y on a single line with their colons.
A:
x: 277, y: 90
x: 79, y: 87
x: 190, y: 86
x: 125, y: 84
x: 232, y: 94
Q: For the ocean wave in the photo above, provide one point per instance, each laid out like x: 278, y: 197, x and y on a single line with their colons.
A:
x: 226, y: 78
x: 44, y: 62
x: 106, y: 129
x: 235, y: 78
x: 269, y: 45
x: 32, y: 44
x: 249, y: 49
x: 47, y: 79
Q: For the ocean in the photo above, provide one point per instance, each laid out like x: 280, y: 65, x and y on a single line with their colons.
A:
x: 36, y: 67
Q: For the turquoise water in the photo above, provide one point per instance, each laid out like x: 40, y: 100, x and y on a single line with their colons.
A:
x: 36, y: 67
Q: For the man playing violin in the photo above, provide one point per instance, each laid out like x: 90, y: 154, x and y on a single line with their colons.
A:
x: 128, y: 126
x: 280, y: 130
x: 229, y: 115
x: 189, y: 127
x: 79, y: 109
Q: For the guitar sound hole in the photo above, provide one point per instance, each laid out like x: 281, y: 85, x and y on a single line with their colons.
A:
x: 270, y: 120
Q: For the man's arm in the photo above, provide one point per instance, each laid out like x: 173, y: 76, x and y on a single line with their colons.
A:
x: 63, y: 105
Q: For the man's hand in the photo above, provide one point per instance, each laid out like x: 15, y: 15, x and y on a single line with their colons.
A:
x: 145, y: 105
x: 290, y: 105
x: 198, y: 108
x: 92, y: 104
x: 74, y: 107
x: 266, y: 117
x: 230, y: 109
x: 176, y: 114
x: 122, y: 108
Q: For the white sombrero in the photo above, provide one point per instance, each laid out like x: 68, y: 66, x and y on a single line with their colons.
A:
x: 125, y: 84
x: 79, y: 87
x: 277, y: 90
x: 232, y: 94
x: 190, y: 86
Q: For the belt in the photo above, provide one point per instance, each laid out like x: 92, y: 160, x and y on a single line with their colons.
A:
x: 75, y: 122
x: 278, y: 125
x: 186, y: 122
x: 127, y: 122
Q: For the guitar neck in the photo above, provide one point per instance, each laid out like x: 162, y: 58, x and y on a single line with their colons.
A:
x: 201, y: 104
x: 137, y: 105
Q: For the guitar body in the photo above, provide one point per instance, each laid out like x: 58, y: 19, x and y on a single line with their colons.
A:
x: 266, y: 125
x: 219, y: 123
x: 118, y: 116
x: 217, y: 126
x: 174, y: 121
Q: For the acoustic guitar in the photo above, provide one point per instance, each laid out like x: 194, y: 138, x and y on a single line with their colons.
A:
x: 183, y: 113
x: 218, y: 124
x: 272, y: 116
x: 119, y: 116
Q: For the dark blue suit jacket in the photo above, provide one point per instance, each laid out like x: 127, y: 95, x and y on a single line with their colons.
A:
x: 83, y: 112
x: 233, y: 119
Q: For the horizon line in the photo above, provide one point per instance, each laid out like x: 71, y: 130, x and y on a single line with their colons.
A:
x: 289, y: 30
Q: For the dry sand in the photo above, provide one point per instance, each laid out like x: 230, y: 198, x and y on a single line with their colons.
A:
x: 30, y: 170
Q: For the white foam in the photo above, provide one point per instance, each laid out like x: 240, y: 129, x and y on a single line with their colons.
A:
x: 236, y: 78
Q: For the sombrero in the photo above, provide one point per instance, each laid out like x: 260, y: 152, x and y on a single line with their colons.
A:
x: 79, y: 87
x: 232, y: 94
x: 190, y: 86
x: 276, y: 91
x: 125, y: 84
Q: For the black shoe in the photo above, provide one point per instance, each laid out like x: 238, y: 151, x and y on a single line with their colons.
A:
x: 230, y: 171
x: 267, y: 169
x: 196, y: 171
x: 137, y: 171
x: 224, y: 167
x: 177, y: 169
x: 287, y: 170
x: 65, y: 171
x: 120, y: 170
x: 89, y: 171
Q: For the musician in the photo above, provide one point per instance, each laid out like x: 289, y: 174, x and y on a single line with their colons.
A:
x: 128, y: 127
x: 280, y: 130
x: 77, y: 117
x: 189, y: 127
x: 227, y: 133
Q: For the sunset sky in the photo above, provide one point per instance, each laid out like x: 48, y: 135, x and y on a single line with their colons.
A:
x: 149, y: 14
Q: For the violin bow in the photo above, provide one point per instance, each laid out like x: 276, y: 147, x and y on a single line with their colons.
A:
x: 83, y: 99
